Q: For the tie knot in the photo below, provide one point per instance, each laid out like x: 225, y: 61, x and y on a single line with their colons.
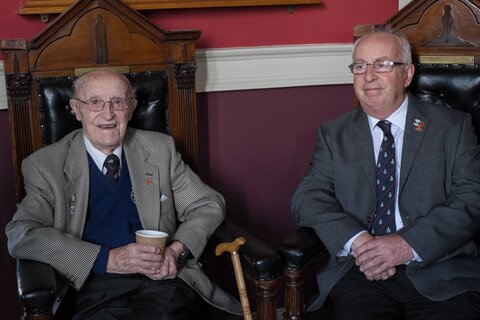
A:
x: 385, y: 126
x: 112, y: 164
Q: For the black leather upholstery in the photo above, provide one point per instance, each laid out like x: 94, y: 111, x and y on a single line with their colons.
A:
x: 36, y: 286
x: 456, y: 86
x: 298, y: 249
x: 58, y: 119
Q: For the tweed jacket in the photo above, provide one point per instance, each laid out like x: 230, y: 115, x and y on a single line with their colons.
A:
x: 49, y: 222
x: 439, y: 196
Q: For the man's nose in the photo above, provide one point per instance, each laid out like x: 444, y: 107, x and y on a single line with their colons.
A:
x: 108, y: 107
x: 370, y: 74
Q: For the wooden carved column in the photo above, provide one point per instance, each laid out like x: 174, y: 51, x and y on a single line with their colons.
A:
x: 19, y: 90
x: 294, y: 294
x: 266, y: 299
x: 185, y: 130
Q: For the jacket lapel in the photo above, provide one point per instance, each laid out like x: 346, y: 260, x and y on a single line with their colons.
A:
x: 363, y: 147
x: 77, y: 185
x: 145, y: 182
x: 416, y: 126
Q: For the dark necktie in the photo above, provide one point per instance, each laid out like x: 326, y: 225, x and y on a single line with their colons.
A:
x: 112, y: 164
x: 384, y: 220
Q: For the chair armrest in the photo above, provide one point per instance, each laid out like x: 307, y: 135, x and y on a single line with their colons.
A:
x: 36, y: 285
x: 259, y: 260
x: 302, y: 255
x: 300, y: 248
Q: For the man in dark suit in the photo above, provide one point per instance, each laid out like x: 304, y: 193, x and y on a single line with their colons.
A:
x: 394, y: 194
x: 76, y: 219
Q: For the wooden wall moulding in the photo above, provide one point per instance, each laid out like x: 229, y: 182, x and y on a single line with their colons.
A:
x: 46, y: 7
x: 441, y: 31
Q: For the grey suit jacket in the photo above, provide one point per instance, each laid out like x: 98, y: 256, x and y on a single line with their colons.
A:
x: 49, y: 221
x: 439, y: 196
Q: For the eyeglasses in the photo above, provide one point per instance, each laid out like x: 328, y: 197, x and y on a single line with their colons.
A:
x: 96, y: 104
x: 378, y: 66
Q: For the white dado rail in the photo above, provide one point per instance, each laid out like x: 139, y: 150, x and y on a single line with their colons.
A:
x: 272, y: 67
x: 262, y: 67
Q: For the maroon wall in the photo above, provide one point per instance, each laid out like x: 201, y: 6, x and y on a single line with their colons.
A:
x: 256, y: 146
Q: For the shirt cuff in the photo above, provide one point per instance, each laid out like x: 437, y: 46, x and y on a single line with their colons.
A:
x: 416, y: 257
x: 347, y: 248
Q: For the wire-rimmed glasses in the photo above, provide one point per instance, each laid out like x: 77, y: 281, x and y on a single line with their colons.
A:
x: 381, y: 66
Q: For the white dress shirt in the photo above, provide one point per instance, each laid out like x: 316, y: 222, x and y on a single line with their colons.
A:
x: 99, y: 157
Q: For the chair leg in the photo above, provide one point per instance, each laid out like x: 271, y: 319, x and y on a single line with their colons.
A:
x: 294, y: 302
x: 265, y: 291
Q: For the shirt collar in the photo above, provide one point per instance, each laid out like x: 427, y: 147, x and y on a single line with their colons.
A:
x: 98, y: 156
x: 398, y: 118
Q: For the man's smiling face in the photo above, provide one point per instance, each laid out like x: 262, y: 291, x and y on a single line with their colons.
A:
x: 380, y: 94
x: 104, y: 129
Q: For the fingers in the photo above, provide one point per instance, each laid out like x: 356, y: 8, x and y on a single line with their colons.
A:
x: 376, y: 259
x: 392, y: 271
x: 134, y: 258
x: 143, y: 259
x: 360, y: 240
x: 377, y: 272
x: 385, y: 275
x: 168, y: 270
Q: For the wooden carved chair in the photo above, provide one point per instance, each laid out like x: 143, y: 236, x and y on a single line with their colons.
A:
x: 161, y: 65
x: 445, y: 39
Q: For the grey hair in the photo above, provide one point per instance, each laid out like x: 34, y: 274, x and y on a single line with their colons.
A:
x: 79, y: 83
x: 400, y: 37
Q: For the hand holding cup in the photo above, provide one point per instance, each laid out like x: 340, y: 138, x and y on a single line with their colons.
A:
x: 153, y: 237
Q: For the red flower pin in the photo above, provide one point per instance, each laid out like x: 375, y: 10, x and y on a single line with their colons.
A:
x: 419, y: 125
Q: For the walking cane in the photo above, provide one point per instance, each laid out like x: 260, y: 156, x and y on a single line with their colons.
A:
x: 233, y: 247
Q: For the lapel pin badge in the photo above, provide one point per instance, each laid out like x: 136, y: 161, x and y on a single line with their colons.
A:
x: 419, y: 125
x: 148, y: 181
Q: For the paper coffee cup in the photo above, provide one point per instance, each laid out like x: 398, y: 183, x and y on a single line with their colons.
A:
x: 153, y: 237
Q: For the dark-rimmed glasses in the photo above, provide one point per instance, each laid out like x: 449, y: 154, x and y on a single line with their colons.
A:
x: 381, y: 66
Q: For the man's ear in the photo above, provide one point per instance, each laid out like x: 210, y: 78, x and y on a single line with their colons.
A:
x: 409, y: 70
x: 132, y: 104
x: 74, y: 105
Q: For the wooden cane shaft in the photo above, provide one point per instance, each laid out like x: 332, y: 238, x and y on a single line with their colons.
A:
x: 242, y: 291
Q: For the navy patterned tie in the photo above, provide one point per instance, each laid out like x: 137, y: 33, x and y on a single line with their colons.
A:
x: 384, y: 220
x: 112, y: 164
